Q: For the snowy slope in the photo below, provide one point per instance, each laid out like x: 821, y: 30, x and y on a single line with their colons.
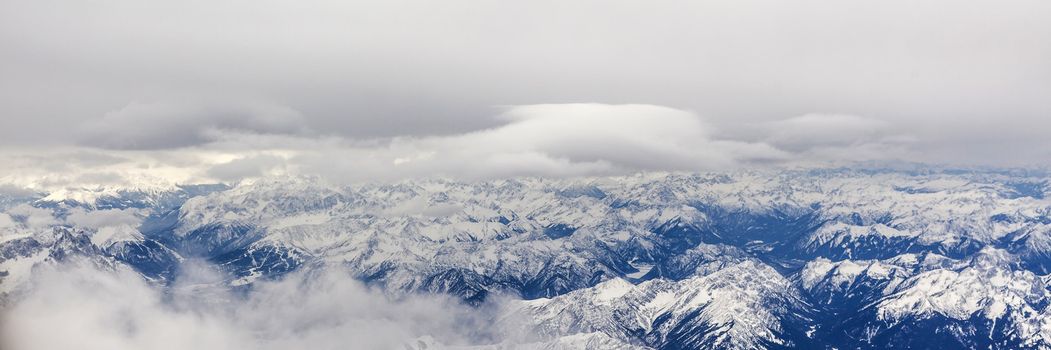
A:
x: 754, y: 259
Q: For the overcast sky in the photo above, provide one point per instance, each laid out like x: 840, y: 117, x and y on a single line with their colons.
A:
x: 205, y: 90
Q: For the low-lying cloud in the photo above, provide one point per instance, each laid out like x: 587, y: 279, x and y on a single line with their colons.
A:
x: 32, y: 217
x: 86, y: 308
x: 96, y: 219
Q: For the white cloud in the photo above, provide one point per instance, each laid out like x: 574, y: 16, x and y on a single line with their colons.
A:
x: 89, y: 309
x: 6, y: 221
x: 97, y: 219
x: 420, y: 206
x: 32, y: 217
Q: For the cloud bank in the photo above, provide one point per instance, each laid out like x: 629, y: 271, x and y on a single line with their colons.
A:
x: 188, y: 91
x: 85, y: 308
x: 555, y: 140
x: 968, y: 79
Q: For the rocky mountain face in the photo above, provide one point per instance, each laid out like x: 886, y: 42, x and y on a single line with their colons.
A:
x: 842, y: 258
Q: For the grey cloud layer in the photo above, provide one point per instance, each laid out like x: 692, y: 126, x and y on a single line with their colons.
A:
x: 969, y: 77
x: 536, y: 140
x: 154, y: 126
x: 195, y: 91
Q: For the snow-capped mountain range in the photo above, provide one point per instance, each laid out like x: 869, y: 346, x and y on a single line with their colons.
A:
x: 794, y: 259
